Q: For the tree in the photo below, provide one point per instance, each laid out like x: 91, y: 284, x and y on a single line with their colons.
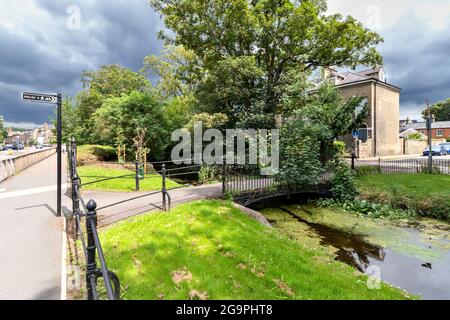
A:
x: 309, y: 135
x: 119, y: 118
x: 3, y: 133
x: 176, y: 68
x: 254, y: 43
x: 98, y: 86
x: 70, y: 120
x: 441, y: 111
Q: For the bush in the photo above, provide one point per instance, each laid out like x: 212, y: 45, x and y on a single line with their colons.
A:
x: 366, y: 208
x: 339, y: 148
x: 208, y: 173
x: 367, y: 171
x: 95, y: 153
x: 343, y: 182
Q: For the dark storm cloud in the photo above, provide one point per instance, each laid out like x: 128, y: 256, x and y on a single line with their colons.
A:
x: 42, y: 54
x: 418, y: 61
x: 39, y: 53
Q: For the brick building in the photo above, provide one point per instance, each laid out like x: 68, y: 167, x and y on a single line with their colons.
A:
x: 440, y: 130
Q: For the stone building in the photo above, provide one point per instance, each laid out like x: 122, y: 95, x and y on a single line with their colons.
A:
x: 379, y: 135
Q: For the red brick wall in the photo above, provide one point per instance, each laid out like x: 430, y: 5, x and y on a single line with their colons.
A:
x: 434, y: 133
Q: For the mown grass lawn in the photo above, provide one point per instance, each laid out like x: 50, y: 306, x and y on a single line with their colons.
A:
x: 210, y: 249
x: 428, y: 194
x: 94, y: 173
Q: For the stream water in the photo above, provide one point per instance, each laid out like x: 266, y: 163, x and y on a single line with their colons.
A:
x: 412, y: 255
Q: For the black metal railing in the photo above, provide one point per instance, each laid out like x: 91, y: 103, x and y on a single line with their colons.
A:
x: 404, y: 165
x: 244, y: 180
x: 90, y: 240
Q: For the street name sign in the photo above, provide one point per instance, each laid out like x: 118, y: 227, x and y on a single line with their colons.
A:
x: 40, y: 98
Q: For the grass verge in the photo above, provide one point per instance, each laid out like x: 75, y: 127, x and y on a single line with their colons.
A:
x: 427, y: 194
x: 93, y: 173
x: 211, y: 250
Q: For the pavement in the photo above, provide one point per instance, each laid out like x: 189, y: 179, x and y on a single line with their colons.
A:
x: 151, y: 203
x: 31, y: 236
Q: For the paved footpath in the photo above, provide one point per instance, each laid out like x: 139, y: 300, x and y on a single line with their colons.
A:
x: 31, y: 235
x: 114, y: 214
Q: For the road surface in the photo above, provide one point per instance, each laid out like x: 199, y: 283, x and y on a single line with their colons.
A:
x: 31, y: 234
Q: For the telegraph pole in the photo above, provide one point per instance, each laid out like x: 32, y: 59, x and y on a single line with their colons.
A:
x: 430, y: 138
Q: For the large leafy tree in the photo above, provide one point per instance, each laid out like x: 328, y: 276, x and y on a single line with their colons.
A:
x: 176, y: 69
x: 441, y: 111
x: 250, y: 45
x: 98, y: 86
x: 2, y: 130
x: 120, y: 119
x: 309, y: 136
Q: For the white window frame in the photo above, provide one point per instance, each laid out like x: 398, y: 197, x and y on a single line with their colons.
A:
x: 440, y: 132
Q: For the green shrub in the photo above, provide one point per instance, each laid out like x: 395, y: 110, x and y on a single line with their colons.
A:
x: 208, y: 173
x: 95, y: 153
x: 339, y: 148
x: 343, y: 185
x: 367, y: 170
x: 366, y: 208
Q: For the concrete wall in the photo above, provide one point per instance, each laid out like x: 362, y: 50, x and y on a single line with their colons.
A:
x: 414, y: 146
x: 387, y: 121
x: 15, y: 164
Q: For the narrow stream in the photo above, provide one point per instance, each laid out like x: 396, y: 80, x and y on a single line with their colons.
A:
x: 411, y: 255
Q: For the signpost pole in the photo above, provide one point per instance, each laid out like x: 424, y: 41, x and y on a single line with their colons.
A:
x: 52, y: 99
x: 59, y: 150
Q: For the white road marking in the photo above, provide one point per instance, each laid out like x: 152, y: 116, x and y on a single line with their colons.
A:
x: 27, y: 192
x: 64, y: 262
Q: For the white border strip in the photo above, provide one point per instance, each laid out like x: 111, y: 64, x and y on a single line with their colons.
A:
x: 64, y: 262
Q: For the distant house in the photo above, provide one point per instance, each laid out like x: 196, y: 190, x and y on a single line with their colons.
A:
x: 405, y: 123
x: 26, y: 137
x: 379, y: 135
x: 440, y: 130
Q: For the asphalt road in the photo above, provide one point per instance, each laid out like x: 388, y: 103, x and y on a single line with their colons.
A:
x: 31, y: 235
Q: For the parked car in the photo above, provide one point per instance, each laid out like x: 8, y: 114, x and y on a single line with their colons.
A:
x: 446, y: 146
x: 7, y: 147
x: 18, y: 146
x: 39, y: 146
x: 436, y: 151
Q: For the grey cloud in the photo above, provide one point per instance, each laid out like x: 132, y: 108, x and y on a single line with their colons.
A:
x: 52, y: 58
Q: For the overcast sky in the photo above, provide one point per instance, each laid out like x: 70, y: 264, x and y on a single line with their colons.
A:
x: 44, y: 47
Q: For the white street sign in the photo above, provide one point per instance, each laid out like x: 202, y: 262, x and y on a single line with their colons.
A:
x: 40, y: 98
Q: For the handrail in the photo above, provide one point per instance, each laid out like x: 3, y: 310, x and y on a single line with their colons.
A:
x: 92, y: 244
x: 103, y: 267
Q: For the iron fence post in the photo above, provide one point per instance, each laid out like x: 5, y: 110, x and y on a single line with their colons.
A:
x: 137, y: 176
x: 164, y: 189
x: 224, y: 179
x: 91, y: 264
x: 353, y: 161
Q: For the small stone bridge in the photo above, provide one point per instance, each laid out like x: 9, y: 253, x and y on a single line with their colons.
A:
x: 248, y: 186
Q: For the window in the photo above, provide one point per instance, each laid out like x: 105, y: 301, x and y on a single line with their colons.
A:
x: 440, y: 133
x: 364, y: 133
x: 363, y: 105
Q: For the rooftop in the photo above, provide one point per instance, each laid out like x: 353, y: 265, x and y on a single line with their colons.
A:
x: 423, y: 125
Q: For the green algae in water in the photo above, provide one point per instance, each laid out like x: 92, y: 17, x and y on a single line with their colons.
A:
x: 427, y: 240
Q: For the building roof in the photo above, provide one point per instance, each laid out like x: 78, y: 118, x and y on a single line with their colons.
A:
x: 352, y: 78
x: 423, y: 125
